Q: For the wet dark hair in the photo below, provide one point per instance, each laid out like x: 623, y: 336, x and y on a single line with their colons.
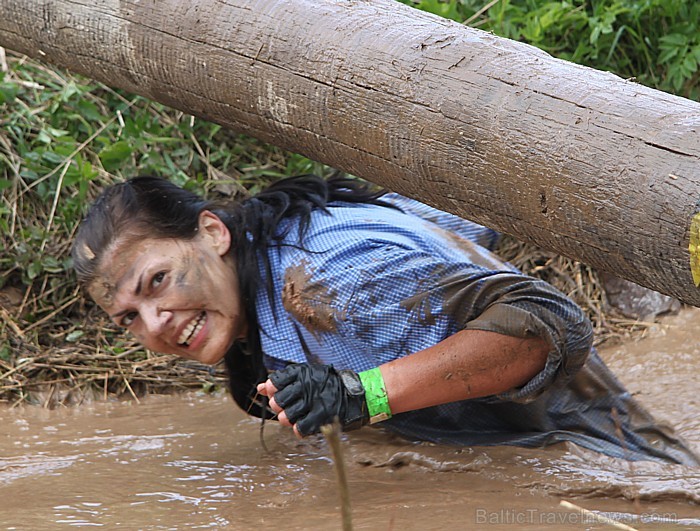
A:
x: 152, y: 207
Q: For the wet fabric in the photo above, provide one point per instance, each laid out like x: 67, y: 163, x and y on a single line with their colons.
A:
x: 370, y: 284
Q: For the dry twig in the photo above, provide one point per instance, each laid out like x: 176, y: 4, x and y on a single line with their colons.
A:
x: 332, y: 434
x: 595, y: 516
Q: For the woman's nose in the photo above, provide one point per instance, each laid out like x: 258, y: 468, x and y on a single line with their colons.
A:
x: 154, y: 318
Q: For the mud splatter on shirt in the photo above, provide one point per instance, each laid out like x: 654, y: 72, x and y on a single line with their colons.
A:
x: 307, y: 301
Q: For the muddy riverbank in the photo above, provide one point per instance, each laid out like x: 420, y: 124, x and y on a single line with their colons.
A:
x: 194, y: 461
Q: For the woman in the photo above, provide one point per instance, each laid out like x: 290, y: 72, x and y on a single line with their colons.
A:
x: 369, y: 307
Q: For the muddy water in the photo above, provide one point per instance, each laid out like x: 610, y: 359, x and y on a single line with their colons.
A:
x: 195, y: 462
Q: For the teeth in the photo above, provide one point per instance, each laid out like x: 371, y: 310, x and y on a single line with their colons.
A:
x: 192, y: 329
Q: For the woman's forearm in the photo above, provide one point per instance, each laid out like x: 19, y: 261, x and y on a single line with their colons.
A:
x: 469, y: 364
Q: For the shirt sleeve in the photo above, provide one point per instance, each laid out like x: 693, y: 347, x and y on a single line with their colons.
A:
x: 521, y: 306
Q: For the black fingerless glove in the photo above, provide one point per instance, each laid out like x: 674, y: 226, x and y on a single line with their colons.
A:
x: 314, y: 395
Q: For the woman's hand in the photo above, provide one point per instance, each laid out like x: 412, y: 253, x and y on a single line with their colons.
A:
x: 307, y: 397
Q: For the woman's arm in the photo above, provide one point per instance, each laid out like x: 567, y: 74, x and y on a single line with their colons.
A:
x: 469, y: 364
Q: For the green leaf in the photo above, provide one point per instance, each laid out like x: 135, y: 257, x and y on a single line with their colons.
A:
x: 115, y: 155
x: 33, y: 270
x: 44, y: 137
x: 51, y: 265
x: 70, y: 90
x: 89, y: 110
x: 57, y: 133
x: 87, y: 172
x: 52, y: 158
x: 8, y: 92
x: 674, y: 39
x: 667, y: 54
x: 690, y: 63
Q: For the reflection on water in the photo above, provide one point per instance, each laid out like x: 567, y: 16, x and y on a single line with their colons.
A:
x: 195, y: 462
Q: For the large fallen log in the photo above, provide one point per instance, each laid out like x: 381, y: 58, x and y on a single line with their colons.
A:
x: 572, y: 159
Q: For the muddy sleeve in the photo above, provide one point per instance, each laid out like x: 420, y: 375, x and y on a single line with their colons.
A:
x: 522, y: 306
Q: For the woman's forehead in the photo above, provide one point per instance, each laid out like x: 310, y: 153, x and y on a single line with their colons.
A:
x: 126, y: 259
x: 117, y: 265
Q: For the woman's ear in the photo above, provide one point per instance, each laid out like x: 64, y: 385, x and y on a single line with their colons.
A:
x: 215, y: 232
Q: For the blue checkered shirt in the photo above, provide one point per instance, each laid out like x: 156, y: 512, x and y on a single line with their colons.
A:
x: 368, y: 284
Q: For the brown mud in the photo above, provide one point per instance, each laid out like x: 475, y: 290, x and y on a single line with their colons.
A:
x: 194, y: 461
x: 308, y: 301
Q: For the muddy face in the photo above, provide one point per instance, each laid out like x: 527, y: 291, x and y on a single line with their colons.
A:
x: 176, y: 296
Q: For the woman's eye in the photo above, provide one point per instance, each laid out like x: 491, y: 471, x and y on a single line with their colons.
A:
x: 158, y: 279
x: 128, y: 319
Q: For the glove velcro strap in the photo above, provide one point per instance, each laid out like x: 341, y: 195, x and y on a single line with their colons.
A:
x: 375, y: 395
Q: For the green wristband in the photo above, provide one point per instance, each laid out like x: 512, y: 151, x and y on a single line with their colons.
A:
x: 375, y: 395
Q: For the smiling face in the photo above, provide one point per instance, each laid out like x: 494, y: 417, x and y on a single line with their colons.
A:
x: 175, y: 296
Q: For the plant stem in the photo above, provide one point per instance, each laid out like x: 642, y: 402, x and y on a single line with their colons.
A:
x: 332, y: 434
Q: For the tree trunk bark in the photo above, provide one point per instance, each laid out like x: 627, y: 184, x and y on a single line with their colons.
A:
x: 572, y: 159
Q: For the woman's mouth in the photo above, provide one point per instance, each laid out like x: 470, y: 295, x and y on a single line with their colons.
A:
x: 192, y: 329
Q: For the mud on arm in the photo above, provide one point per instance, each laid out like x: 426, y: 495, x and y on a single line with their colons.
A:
x: 521, y: 306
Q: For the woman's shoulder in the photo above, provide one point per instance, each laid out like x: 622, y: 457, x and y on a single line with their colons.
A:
x: 352, y: 231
